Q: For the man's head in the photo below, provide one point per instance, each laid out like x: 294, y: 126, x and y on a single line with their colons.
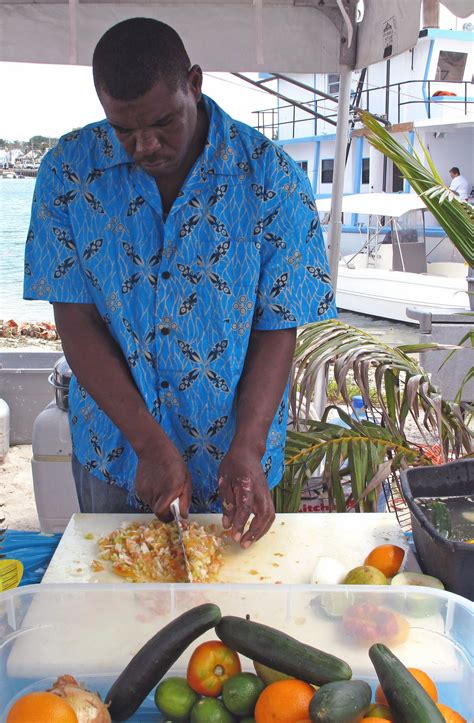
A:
x: 454, y: 171
x: 149, y: 92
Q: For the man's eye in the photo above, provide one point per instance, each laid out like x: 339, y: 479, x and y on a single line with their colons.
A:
x: 163, y: 123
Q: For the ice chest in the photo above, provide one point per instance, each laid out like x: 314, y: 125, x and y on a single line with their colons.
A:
x: 92, y: 631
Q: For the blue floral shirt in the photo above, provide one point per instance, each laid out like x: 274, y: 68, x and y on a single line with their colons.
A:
x: 240, y: 249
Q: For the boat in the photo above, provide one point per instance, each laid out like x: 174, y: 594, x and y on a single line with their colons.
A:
x: 12, y: 174
x: 392, y: 271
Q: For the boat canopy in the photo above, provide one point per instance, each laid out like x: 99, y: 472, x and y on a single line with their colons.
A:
x: 300, y: 36
x: 393, y: 205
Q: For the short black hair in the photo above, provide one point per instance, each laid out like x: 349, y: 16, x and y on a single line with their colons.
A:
x: 455, y: 170
x: 134, y: 55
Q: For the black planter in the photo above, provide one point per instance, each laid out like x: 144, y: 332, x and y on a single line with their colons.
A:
x: 452, y: 562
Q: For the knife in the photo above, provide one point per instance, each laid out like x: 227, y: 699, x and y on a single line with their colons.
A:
x: 177, y: 518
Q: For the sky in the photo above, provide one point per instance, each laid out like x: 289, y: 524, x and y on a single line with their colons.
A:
x: 50, y: 100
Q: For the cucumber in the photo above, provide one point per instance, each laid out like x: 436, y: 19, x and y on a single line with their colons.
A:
x: 280, y: 652
x: 342, y: 702
x: 156, y: 657
x: 406, y: 698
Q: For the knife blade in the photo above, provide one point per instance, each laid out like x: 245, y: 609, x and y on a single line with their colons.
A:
x: 177, y: 518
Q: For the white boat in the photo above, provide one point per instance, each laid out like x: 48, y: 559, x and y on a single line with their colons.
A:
x: 391, y: 272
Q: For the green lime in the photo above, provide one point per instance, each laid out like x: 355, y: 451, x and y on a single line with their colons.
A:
x: 175, y: 699
x: 240, y: 693
x: 210, y: 710
x: 335, y: 604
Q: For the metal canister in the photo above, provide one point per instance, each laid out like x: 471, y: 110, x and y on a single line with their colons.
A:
x: 60, y: 380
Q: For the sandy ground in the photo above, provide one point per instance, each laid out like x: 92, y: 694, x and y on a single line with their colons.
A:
x: 16, y: 490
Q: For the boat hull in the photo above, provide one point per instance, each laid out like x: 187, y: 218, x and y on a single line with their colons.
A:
x: 388, y: 294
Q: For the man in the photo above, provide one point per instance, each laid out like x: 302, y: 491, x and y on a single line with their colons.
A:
x: 459, y: 185
x: 181, y: 250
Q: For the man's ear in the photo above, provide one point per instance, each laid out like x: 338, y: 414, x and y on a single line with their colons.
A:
x: 195, y: 82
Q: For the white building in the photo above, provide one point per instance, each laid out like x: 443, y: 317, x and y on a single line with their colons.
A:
x: 408, y: 90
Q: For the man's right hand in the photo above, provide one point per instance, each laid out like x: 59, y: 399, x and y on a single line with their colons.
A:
x: 161, y: 477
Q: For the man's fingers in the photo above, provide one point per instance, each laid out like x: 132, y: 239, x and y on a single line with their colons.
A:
x: 228, y: 502
x: 244, y: 499
x: 261, y: 523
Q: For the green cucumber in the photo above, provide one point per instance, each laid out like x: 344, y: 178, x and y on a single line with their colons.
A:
x: 342, y: 702
x: 155, y: 658
x: 280, y: 652
x: 406, y: 698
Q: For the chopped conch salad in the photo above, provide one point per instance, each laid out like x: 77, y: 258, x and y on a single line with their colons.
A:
x: 152, y: 553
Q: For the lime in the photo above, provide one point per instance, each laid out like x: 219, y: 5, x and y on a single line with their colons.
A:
x: 175, y: 699
x: 210, y: 710
x: 335, y: 604
x: 240, y: 693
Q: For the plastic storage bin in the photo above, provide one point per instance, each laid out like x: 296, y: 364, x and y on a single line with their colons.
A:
x: 452, y: 562
x: 92, y: 631
x: 24, y: 386
x: 53, y: 481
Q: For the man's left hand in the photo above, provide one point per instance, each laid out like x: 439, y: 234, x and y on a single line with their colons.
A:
x: 243, y: 490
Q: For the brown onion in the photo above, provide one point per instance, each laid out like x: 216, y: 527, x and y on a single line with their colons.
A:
x: 87, y: 706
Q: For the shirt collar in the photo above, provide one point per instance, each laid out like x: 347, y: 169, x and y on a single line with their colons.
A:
x: 218, y: 156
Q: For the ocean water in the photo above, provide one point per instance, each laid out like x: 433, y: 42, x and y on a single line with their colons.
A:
x: 16, y: 195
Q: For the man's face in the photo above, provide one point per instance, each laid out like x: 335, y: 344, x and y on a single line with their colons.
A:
x: 452, y: 174
x: 158, y: 128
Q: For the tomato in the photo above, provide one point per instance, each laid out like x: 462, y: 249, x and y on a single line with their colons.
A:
x: 210, y: 665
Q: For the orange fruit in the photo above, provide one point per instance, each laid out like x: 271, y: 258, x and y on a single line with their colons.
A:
x: 386, y: 558
x: 423, y: 679
x: 450, y: 715
x: 286, y: 701
x: 371, y: 719
x: 41, y: 707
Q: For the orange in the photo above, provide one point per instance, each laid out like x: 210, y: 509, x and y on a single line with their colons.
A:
x: 423, y: 679
x: 386, y: 558
x: 41, y: 707
x: 286, y: 701
x: 371, y: 719
x: 450, y: 715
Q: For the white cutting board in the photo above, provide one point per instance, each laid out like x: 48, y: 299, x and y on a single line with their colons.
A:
x: 286, y: 554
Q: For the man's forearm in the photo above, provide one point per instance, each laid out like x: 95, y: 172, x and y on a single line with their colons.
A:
x: 99, y: 365
x: 266, y: 370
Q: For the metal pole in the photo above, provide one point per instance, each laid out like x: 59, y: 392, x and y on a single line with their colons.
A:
x: 335, y: 226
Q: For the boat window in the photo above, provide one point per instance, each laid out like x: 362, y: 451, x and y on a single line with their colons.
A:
x: 327, y: 170
x: 451, y: 65
x: 303, y: 165
x: 366, y: 170
x: 334, y: 80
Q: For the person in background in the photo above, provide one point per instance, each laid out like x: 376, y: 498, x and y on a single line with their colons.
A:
x: 459, y: 185
x: 181, y: 250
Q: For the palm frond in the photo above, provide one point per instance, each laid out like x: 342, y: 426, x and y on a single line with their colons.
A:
x: 358, y: 452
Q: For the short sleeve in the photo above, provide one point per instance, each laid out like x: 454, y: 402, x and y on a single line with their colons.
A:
x: 52, y: 267
x: 294, y: 284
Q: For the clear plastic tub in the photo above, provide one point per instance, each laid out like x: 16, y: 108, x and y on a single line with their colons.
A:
x: 92, y: 631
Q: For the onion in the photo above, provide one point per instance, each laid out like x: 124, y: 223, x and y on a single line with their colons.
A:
x: 87, y: 706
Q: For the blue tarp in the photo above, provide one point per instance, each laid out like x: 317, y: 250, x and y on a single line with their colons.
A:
x: 33, y: 549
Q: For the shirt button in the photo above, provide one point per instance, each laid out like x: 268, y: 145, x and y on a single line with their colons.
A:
x: 165, y: 384
x: 165, y: 275
x: 165, y: 331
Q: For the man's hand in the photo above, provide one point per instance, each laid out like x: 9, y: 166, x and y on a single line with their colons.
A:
x: 161, y: 477
x: 243, y: 489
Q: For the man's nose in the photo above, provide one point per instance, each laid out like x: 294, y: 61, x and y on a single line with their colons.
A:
x: 146, y: 142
